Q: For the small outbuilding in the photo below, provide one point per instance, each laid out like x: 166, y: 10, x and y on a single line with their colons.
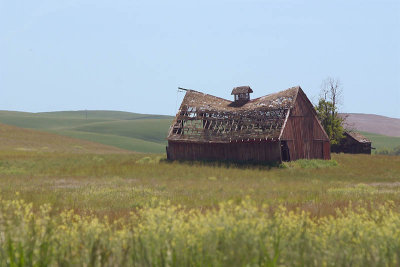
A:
x: 277, y: 127
x: 353, y: 143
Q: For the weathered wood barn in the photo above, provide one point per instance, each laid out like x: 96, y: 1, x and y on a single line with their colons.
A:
x: 273, y: 128
x: 353, y: 143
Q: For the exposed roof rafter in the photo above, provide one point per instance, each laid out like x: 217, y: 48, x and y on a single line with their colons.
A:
x: 206, y: 118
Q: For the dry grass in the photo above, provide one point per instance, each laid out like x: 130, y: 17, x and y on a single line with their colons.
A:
x: 171, y: 213
x: 115, y: 184
x: 140, y: 210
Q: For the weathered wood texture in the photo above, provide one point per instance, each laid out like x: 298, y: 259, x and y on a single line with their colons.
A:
x: 303, y: 133
x: 264, y: 151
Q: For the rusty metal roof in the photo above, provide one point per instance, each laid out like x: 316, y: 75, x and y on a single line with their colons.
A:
x: 241, y: 90
x: 206, y: 118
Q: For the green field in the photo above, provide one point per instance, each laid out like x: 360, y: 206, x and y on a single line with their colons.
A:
x: 137, y: 132
x: 382, y: 141
x: 13, y: 138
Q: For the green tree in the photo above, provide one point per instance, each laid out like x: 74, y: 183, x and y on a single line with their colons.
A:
x: 327, y: 109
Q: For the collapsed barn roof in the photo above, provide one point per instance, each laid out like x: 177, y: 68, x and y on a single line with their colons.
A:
x: 206, y: 118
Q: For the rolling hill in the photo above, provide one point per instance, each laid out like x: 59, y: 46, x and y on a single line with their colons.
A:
x: 372, y: 123
x: 380, y: 141
x: 147, y: 133
x: 132, y: 131
x: 384, y: 132
x: 21, y: 139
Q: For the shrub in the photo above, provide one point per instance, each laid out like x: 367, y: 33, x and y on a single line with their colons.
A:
x: 310, y: 164
x: 392, y: 152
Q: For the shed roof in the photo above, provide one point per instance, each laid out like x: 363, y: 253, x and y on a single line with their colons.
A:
x: 206, y: 118
x: 358, y: 137
x: 241, y: 90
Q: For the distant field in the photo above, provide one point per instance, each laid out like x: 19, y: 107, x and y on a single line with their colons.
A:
x: 137, y: 132
x: 131, y: 131
x: 382, y: 141
x: 14, y: 138
x: 372, y: 123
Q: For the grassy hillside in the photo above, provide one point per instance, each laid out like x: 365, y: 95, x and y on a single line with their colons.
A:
x: 101, y: 114
x: 152, y: 130
x: 14, y: 138
x: 372, y: 123
x: 132, y: 131
x: 128, y: 143
x: 382, y: 141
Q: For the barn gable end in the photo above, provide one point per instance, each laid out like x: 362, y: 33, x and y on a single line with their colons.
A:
x: 303, y: 133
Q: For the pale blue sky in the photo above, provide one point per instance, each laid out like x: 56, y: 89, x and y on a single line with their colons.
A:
x: 132, y: 55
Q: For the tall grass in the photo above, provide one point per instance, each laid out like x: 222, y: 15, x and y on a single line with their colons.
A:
x: 229, y: 235
x: 115, y: 185
x: 140, y: 210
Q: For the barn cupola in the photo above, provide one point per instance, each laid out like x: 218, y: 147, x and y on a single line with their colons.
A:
x: 242, y: 93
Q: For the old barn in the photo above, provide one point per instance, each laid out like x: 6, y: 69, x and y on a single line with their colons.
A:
x: 278, y: 127
x: 353, y: 143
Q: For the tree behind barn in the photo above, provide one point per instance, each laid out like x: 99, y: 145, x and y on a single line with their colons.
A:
x: 327, y: 109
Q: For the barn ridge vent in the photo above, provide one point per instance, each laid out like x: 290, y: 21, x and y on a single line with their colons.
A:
x: 241, y: 93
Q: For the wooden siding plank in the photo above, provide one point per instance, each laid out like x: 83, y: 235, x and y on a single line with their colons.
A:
x: 306, y: 132
x: 264, y: 151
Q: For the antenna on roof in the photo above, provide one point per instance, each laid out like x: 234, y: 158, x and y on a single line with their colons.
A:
x: 183, y: 89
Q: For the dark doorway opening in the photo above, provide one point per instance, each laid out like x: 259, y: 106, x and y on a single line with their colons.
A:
x: 285, y: 151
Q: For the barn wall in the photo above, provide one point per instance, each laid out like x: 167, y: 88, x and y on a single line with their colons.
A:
x: 264, y: 151
x: 303, y: 133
